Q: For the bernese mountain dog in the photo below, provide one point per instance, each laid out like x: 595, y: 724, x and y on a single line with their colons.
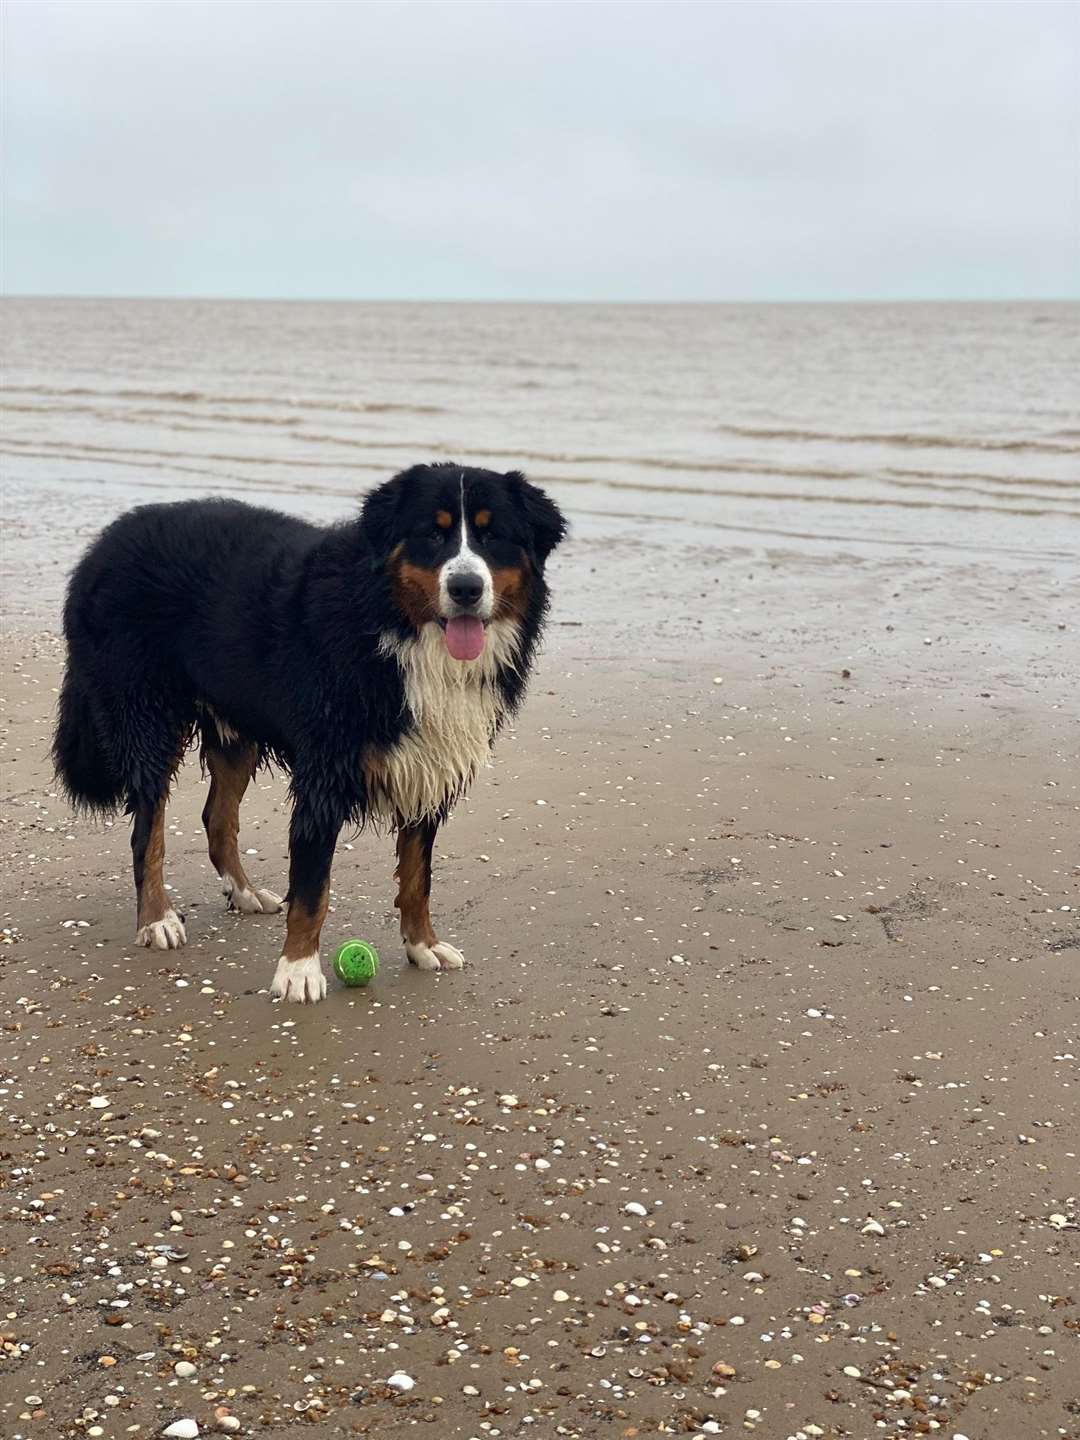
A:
x: 374, y: 660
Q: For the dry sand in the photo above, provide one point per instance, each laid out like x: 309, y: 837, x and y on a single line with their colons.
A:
x: 754, y: 1111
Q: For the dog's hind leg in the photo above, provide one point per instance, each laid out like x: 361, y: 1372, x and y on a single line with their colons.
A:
x: 415, y: 843
x: 146, y: 741
x: 159, y: 925
x: 231, y: 768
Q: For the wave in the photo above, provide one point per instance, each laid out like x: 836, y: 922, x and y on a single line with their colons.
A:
x: 690, y: 523
x: 918, y: 442
x: 200, y: 420
x: 909, y: 542
x: 182, y: 461
x: 118, y: 454
x: 195, y: 397
x: 1059, y: 445
x: 152, y: 413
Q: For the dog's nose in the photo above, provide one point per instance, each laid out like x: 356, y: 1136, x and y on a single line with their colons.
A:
x: 465, y: 589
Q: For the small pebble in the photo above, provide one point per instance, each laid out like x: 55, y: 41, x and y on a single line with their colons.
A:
x: 185, y: 1369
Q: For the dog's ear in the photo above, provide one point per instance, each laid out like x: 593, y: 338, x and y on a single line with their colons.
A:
x: 379, y: 516
x: 545, y: 520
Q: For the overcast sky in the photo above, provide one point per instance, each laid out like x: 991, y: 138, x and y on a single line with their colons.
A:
x: 542, y: 151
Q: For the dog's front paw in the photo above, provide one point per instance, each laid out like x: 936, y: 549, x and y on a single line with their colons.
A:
x: 168, y: 933
x: 440, y: 956
x: 253, y: 902
x: 299, y: 980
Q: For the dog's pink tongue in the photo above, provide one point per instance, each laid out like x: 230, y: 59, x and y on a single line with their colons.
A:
x: 465, y: 637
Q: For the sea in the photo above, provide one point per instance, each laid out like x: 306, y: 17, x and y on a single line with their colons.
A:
x: 842, y: 430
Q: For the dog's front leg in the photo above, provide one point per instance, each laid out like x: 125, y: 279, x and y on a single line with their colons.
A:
x: 299, y: 975
x: 415, y: 843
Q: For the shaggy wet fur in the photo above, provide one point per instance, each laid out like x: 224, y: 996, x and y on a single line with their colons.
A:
x: 321, y: 649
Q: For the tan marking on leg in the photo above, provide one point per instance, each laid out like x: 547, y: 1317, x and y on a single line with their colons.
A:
x: 152, y: 900
x: 230, y: 774
x: 304, y: 927
x: 412, y: 896
x: 424, y: 949
x: 159, y: 926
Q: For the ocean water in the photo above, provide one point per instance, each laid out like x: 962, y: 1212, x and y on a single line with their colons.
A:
x: 947, y: 432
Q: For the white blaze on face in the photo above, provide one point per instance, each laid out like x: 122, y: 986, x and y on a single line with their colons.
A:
x: 467, y: 563
x: 466, y: 595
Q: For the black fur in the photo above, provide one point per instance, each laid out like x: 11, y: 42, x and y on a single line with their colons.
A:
x: 271, y: 624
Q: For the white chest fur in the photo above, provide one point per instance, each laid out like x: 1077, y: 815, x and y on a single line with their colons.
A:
x: 455, y: 707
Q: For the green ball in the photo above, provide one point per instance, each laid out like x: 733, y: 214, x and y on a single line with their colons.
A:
x: 356, y: 962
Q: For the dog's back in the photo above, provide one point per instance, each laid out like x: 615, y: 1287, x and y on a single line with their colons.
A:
x: 167, y: 593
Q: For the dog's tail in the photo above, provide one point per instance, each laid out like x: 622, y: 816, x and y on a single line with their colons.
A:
x: 83, y: 765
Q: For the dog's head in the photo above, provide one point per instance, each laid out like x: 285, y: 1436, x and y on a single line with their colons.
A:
x: 462, y: 548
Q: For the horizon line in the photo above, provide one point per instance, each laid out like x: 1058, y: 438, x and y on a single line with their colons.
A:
x: 578, y: 300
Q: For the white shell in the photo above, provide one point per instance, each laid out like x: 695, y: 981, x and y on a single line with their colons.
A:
x: 182, y: 1430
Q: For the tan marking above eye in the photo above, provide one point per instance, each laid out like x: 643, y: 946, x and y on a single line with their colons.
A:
x: 482, y: 518
x: 443, y: 519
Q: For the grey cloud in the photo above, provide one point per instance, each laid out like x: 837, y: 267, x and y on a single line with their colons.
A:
x: 542, y: 150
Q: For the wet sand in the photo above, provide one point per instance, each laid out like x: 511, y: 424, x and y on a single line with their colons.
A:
x: 754, y: 1110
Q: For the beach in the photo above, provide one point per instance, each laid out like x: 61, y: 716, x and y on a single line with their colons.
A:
x: 754, y: 1110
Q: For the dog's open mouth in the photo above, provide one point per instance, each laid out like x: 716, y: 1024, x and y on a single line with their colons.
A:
x: 464, y: 636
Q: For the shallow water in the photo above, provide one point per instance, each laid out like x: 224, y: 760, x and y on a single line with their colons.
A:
x: 949, y: 432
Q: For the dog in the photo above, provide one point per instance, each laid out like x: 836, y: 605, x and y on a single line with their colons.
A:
x: 374, y: 660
